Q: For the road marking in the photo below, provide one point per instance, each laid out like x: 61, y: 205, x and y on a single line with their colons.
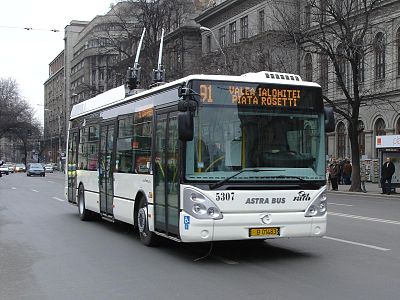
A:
x: 225, y: 260
x: 35, y: 191
x: 364, y: 218
x: 50, y: 181
x: 55, y: 198
x: 331, y: 203
x: 355, y: 243
x: 13, y: 188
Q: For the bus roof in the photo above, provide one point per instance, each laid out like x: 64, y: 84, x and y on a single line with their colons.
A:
x: 117, y: 95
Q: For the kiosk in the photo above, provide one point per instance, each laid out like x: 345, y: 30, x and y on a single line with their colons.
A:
x: 389, y: 146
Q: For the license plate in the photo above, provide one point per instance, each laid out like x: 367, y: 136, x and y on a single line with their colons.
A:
x: 267, y: 231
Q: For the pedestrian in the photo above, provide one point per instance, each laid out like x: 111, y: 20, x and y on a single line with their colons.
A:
x: 363, y: 176
x: 334, y: 171
x: 340, y: 176
x: 387, y: 172
x: 347, y: 168
x: 328, y: 177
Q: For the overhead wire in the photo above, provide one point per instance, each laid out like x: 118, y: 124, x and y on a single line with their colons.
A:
x: 29, y: 28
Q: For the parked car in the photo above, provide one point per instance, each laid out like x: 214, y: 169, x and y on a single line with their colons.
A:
x: 35, y: 169
x: 4, y: 169
x: 48, y: 168
x: 10, y: 167
x: 20, y: 168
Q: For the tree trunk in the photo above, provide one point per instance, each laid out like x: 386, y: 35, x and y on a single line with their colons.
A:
x: 355, y: 160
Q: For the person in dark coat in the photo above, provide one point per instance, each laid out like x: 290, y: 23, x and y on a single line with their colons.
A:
x: 347, y: 169
x: 334, y: 172
x: 386, y: 176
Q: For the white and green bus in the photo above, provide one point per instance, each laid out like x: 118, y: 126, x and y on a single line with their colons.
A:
x: 204, y: 158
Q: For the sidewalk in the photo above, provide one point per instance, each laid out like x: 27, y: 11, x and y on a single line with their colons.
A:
x: 372, y: 188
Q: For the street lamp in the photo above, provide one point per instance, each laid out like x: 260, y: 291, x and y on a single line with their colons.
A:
x: 202, y: 28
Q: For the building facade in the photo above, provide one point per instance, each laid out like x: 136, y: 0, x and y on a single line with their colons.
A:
x: 55, y: 110
x: 378, y: 78
x: 240, y: 36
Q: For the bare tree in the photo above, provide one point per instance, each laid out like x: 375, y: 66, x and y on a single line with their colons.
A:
x: 121, y: 30
x: 28, y: 133
x: 338, y: 31
x: 17, y: 120
x: 13, y: 109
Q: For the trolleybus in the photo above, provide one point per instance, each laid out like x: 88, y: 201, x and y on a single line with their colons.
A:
x: 204, y: 158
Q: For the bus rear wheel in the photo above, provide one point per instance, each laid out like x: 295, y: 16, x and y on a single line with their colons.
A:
x: 147, y: 237
x: 84, y: 214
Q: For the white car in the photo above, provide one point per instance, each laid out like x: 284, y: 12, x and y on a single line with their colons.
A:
x: 4, y: 169
x: 48, y: 168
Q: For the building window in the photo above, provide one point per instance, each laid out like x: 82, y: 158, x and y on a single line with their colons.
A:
x: 380, y: 127
x: 361, y: 137
x: 222, y: 37
x: 341, y: 61
x: 244, y: 27
x: 398, y: 51
x: 232, y: 33
x: 261, y: 21
x: 379, y: 48
x: 308, y: 67
x: 361, y: 69
x: 398, y: 126
x: 307, y: 16
x: 208, y: 43
x: 341, y: 140
x: 324, y: 72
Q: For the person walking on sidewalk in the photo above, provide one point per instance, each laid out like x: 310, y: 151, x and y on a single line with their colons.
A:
x: 334, y: 171
x: 386, y: 176
x: 363, y: 176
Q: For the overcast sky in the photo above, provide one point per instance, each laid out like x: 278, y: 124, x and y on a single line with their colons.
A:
x: 25, y: 54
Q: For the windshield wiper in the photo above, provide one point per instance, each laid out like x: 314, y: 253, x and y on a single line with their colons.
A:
x: 298, y: 178
x: 221, y: 182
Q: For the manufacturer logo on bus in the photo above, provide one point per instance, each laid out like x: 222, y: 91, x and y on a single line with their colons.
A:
x: 302, y: 197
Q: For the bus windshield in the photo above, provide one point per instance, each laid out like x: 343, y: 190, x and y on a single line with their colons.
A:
x: 273, y: 128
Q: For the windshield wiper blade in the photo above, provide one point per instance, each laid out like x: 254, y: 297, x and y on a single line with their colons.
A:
x: 221, y: 182
x: 298, y: 178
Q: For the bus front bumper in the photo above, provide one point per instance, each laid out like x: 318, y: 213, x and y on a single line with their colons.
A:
x: 237, y: 226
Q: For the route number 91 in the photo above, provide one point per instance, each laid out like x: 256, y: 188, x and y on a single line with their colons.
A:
x: 224, y: 196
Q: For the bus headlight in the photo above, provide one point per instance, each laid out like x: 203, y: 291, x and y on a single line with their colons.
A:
x: 318, y: 207
x: 199, y: 206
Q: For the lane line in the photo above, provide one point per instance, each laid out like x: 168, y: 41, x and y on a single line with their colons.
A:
x: 13, y: 188
x: 356, y: 243
x: 55, y: 198
x: 35, y: 191
x: 364, y: 218
x: 339, y: 204
x: 225, y: 260
x: 50, y: 181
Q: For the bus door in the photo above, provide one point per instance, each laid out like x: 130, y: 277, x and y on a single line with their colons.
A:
x: 166, y: 188
x: 71, y: 165
x: 106, y: 162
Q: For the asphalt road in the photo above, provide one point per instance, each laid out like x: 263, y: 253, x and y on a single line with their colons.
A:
x: 46, y: 252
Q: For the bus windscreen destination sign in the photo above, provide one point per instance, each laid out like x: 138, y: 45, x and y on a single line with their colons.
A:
x: 259, y: 95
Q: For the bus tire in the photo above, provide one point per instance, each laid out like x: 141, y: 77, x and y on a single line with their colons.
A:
x: 84, y: 214
x: 147, y: 237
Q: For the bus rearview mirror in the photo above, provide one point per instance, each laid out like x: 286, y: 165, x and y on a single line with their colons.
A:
x: 185, y: 126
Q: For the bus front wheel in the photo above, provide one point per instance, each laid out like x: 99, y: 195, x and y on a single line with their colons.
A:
x: 147, y: 237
